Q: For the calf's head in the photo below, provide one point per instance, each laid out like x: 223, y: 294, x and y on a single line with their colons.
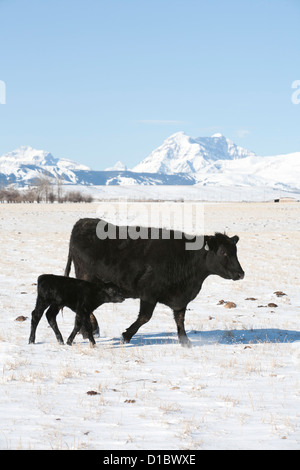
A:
x: 221, y: 258
x: 112, y: 293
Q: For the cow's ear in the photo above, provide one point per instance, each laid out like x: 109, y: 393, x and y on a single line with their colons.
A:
x: 208, y: 243
x: 235, y: 239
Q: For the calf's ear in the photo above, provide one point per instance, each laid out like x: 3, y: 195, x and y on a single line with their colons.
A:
x: 235, y: 239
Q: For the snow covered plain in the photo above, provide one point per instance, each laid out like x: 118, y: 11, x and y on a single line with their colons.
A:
x: 237, y: 388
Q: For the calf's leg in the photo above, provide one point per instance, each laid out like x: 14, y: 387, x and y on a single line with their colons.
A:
x: 179, y: 316
x: 36, y: 315
x: 146, y: 311
x: 51, y: 315
x: 77, y: 326
x: 82, y: 319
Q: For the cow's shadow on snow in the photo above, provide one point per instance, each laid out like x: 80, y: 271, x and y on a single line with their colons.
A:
x: 202, y: 338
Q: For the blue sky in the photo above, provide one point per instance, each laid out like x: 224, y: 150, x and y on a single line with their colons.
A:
x: 99, y: 81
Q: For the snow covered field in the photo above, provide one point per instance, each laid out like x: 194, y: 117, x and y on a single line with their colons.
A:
x: 237, y: 388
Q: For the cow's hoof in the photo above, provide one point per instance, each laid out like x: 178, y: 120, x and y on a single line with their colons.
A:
x: 186, y: 343
x: 96, y: 333
x: 125, y: 339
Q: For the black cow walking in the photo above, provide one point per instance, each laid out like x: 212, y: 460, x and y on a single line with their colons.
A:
x: 153, y: 270
x: 80, y: 296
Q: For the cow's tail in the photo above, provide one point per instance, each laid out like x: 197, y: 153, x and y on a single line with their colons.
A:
x: 67, y: 272
x: 68, y: 265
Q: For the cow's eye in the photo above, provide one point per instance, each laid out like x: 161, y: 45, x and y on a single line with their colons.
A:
x: 223, y: 253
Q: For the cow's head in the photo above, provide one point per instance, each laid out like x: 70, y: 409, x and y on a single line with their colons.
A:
x: 221, y: 257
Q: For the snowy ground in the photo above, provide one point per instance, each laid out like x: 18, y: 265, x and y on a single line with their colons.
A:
x: 237, y: 388
x: 214, y: 192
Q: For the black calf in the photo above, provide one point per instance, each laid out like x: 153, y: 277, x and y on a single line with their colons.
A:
x: 82, y: 297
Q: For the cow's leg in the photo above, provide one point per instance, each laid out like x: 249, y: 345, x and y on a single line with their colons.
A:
x: 88, y: 325
x: 94, y: 325
x: 179, y: 319
x: 89, y: 328
x: 146, y: 310
x: 36, y: 315
x: 82, y: 320
x: 51, y: 315
x: 80, y: 273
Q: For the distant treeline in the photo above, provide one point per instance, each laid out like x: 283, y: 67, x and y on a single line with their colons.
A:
x: 32, y: 195
x: 44, y: 189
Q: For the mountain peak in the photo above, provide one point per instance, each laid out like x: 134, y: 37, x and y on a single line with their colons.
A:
x: 26, y: 155
x: 217, y: 135
x: 27, y: 163
x: 118, y: 166
x: 177, y: 134
x: 180, y: 153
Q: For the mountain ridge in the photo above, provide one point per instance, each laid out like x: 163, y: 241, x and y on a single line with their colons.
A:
x: 180, y: 160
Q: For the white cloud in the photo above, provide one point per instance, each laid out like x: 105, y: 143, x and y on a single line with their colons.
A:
x: 242, y: 133
x: 161, y: 121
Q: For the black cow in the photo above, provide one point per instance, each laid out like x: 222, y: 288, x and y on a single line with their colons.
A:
x: 80, y: 296
x: 153, y: 270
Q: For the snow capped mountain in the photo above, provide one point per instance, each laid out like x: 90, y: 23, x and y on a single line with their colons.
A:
x: 181, y: 153
x: 217, y: 160
x: 117, y: 166
x: 26, y: 163
x: 26, y: 155
x: 23, y: 165
x: 181, y: 160
x: 279, y: 171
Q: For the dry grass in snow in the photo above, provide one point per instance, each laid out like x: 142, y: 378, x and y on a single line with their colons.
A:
x: 237, y: 388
